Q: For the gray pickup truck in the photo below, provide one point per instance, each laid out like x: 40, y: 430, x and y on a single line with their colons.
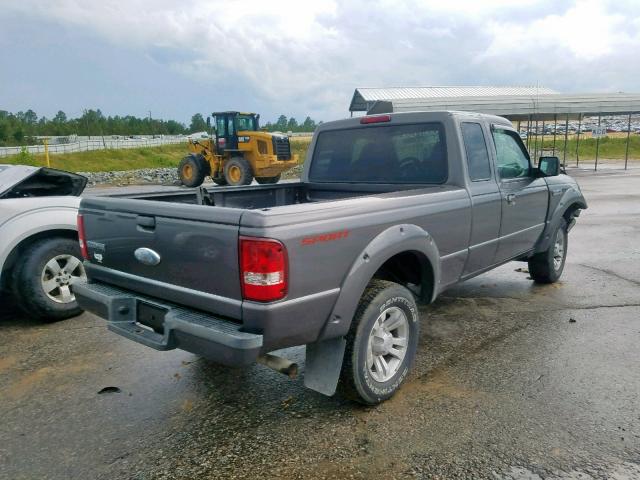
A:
x: 390, y: 209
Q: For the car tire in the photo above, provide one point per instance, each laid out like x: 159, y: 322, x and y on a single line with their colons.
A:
x: 237, y: 171
x: 192, y: 170
x: 547, y: 266
x: 268, y: 180
x: 49, y: 263
x: 381, y: 343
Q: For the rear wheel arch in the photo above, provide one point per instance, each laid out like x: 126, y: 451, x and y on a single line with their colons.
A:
x: 386, y: 255
x: 14, y: 256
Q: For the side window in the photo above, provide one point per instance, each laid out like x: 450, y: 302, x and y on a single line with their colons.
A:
x: 476, y: 149
x: 220, y: 126
x: 511, y: 157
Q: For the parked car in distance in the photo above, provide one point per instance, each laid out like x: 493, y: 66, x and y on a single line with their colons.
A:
x: 39, y: 254
x: 391, y: 209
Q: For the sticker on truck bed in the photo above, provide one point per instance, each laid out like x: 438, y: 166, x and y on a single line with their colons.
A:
x: 325, y: 237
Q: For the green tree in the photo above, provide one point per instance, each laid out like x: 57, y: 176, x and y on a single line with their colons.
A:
x: 308, y: 125
x: 18, y: 135
x: 60, y: 117
x: 281, y: 124
x: 197, y: 123
x: 292, y: 125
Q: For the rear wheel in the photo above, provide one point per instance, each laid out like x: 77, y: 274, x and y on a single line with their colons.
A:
x: 268, y: 180
x: 44, y: 281
x: 547, y: 266
x: 381, y: 344
x: 237, y: 171
x: 192, y: 170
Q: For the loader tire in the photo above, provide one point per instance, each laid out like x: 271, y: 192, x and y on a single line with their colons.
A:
x: 268, y: 180
x: 237, y: 171
x: 192, y: 170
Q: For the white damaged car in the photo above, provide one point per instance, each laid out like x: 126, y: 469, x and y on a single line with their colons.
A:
x: 39, y: 253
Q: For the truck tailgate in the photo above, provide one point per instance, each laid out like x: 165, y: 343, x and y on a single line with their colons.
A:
x: 196, y: 246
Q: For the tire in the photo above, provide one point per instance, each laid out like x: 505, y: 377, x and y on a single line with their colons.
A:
x: 237, y: 171
x: 39, y: 267
x: 362, y: 380
x: 192, y: 170
x: 268, y: 180
x: 547, y: 266
x: 220, y: 181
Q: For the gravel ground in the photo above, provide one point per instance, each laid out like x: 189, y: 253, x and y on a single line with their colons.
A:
x: 151, y: 176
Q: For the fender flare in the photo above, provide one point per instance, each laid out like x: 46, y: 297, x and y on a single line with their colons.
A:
x: 390, y: 242
x: 571, y: 197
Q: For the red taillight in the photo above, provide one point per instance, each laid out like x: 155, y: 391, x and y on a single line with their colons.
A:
x: 263, y: 269
x: 375, y: 119
x: 82, y: 238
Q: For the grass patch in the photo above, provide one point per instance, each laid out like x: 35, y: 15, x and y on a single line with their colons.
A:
x: 299, y: 146
x: 107, y: 160
x: 610, y: 147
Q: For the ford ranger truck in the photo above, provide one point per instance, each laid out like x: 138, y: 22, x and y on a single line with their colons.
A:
x: 390, y: 210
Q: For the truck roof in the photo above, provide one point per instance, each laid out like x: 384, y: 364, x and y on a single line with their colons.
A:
x: 426, y: 116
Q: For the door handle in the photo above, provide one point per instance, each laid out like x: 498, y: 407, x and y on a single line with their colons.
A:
x: 511, y: 198
x: 146, y: 223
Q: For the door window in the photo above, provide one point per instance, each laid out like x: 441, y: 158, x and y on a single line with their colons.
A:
x: 476, y: 149
x: 511, y: 156
x: 220, y: 126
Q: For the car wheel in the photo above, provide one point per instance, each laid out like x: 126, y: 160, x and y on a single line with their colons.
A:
x: 237, y: 171
x: 44, y: 281
x: 192, y: 171
x: 381, y: 343
x: 547, y: 266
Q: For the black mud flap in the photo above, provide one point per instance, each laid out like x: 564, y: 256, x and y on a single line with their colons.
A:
x: 323, y: 364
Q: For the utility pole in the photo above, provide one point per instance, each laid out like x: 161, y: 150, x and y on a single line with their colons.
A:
x: 150, y: 124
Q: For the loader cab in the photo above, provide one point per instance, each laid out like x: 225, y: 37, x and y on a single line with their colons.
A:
x: 228, y: 124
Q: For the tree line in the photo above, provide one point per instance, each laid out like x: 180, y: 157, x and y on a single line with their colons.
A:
x: 21, y: 128
x: 283, y: 124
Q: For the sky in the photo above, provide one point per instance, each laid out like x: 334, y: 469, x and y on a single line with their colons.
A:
x: 296, y: 57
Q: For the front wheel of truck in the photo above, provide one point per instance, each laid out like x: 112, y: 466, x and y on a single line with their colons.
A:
x: 547, y: 266
x: 381, y: 344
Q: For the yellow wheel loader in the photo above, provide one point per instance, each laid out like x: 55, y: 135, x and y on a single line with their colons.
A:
x: 237, y: 153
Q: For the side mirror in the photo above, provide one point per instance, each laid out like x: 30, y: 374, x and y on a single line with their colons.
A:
x: 209, y: 122
x: 549, y: 166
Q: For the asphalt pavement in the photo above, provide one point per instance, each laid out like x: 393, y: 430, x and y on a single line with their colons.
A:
x: 513, y: 381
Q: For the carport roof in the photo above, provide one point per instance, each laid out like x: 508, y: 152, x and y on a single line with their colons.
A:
x: 515, y: 103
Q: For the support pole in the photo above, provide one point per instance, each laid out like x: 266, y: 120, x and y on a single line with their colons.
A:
x: 566, y: 133
x: 598, y: 142
x: 46, y: 152
x: 535, y: 144
x: 542, y: 141
x: 555, y: 128
x: 528, y: 132
x: 578, y: 140
x: 626, y: 150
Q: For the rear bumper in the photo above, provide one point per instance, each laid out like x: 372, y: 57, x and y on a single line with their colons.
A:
x: 176, y: 327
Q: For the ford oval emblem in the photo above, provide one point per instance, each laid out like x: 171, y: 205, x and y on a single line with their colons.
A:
x: 147, y: 256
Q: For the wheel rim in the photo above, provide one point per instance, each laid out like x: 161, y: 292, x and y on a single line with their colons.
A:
x: 387, y: 344
x: 59, y: 274
x: 235, y: 173
x: 558, y: 250
x: 187, y: 171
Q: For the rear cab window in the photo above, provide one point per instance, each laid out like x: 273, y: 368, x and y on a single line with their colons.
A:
x: 414, y: 153
x: 476, y: 151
